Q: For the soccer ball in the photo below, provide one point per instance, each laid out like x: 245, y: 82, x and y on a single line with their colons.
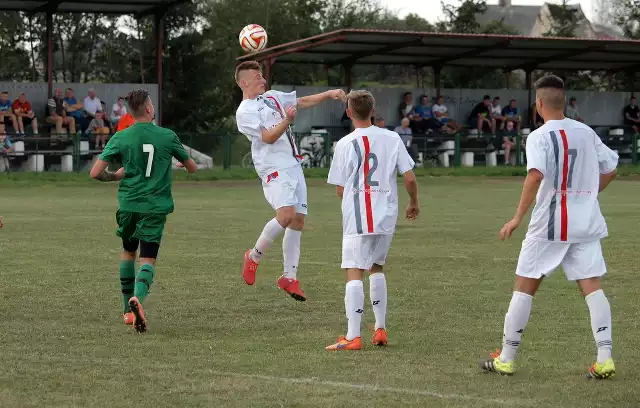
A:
x: 253, y: 38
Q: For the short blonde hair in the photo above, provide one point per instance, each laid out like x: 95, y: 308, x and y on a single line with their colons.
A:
x: 361, y: 104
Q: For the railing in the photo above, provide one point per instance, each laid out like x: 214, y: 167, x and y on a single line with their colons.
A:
x: 231, y: 150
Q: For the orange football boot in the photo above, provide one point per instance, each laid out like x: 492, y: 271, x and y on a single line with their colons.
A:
x: 129, y: 318
x: 249, y: 269
x: 344, y: 344
x: 292, y: 287
x: 379, y: 337
x: 139, y: 322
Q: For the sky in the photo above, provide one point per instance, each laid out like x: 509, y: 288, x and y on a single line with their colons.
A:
x: 431, y: 11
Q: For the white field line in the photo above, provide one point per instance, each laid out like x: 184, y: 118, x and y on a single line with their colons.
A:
x: 364, y: 387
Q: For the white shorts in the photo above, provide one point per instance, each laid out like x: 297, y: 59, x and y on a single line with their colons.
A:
x: 363, y: 251
x: 579, y: 260
x: 286, y: 188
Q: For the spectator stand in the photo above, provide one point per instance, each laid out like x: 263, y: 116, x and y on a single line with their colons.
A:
x: 39, y: 147
x: 348, y: 47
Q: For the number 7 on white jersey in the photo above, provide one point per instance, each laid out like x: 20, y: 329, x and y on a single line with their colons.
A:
x: 148, y: 148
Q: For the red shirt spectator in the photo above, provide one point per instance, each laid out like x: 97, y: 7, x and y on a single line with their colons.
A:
x: 125, y: 121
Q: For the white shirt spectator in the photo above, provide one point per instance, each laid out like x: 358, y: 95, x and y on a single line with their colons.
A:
x: 117, y: 112
x: 265, y: 112
x: 496, y: 110
x: 92, y: 105
x: 366, y: 163
x: 571, y: 157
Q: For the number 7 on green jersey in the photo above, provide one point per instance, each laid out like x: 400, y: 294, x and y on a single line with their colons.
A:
x: 148, y: 148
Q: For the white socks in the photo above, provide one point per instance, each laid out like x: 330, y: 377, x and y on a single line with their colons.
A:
x: 291, y: 252
x: 378, y: 296
x: 270, y: 232
x: 600, y: 312
x: 354, y: 304
x: 514, y: 323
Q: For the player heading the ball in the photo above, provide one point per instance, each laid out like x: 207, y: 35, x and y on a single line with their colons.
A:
x: 568, y: 166
x: 364, y: 168
x: 144, y: 197
x: 265, y: 118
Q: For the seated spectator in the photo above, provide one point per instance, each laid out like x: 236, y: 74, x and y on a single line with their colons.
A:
x: 107, y: 122
x: 92, y: 104
x: 572, y: 110
x: 480, y: 117
x: 75, y: 109
x: 632, y: 115
x: 57, y: 114
x: 510, y: 114
x: 496, y: 113
x: 98, y: 128
x: 118, y: 110
x: 127, y: 120
x: 379, y: 122
x: 407, y: 136
x: 423, y: 119
x: 24, y: 114
x: 5, y: 147
x: 441, y: 113
x: 6, y: 114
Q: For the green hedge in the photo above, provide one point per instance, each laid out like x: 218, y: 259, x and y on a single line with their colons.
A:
x: 34, y: 179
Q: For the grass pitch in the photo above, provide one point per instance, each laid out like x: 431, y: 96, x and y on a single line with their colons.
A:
x: 215, y: 342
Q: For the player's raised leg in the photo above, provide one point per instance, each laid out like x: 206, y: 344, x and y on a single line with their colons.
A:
x: 272, y: 230
x: 291, y: 254
x: 378, y: 297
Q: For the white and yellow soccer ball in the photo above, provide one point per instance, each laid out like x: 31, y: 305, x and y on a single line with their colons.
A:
x: 253, y: 38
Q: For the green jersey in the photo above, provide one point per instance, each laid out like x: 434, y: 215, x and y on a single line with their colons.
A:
x: 145, y: 151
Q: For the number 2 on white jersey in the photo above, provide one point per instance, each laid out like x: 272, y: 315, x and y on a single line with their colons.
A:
x: 148, y: 148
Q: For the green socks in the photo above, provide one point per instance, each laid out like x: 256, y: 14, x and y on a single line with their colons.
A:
x: 127, y: 280
x: 144, y: 279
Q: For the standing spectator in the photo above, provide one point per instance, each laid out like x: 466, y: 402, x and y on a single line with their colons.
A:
x: 511, y: 114
x: 441, y: 113
x: 406, y: 108
x: 74, y: 109
x: 632, y: 115
x: 496, y: 113
x: 24, y: 114
x: 407, y: 136
x: 480, y: 117
x: 98, y: 128
x: 572, y: 110
x: 6, y: 114
x: 508, y: 141
x: 534, y: 117
x: 57, y: 114
x: 118, y: 110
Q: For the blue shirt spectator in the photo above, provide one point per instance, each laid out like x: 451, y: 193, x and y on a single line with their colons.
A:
x: 73, y: 108
x: 510, y: 111
x: 424, y: 109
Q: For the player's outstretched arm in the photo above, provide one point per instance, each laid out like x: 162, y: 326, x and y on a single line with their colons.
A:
x: 606, y: 178
x: 411, y: 184
x: 190, y: 165
x: 312, y: 100
x: 340, y: 191
x: 99, y: 172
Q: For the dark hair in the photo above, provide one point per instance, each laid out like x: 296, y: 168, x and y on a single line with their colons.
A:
x: 486, y: 97
x: 4, y: 92
x: 549, y: 82
x: 136, y: 100
x: 247, y: 66
x: 406, y: 93
x: 496, y: 97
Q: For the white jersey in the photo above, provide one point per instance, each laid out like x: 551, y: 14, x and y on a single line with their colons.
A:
x: 265, y: 112
x: 366, y: 163
x: 571, y: 157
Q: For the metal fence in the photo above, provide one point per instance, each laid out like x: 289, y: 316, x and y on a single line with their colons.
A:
x: 232, y: 150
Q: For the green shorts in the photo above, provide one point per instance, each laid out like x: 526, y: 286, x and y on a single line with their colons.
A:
x: 143, y: 227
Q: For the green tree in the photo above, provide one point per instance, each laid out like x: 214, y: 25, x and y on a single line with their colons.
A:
x: 462, y: 19
x: 564, y: 20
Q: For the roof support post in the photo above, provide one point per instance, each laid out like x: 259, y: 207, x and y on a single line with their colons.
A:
x: 437, y: 70
x: 507, y: 76
x: 268, y: 74
x: 159, y: 38
x: 631, y: 82
x: 348, y: 79
x: 49, y: 23
x: 529, y: 85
